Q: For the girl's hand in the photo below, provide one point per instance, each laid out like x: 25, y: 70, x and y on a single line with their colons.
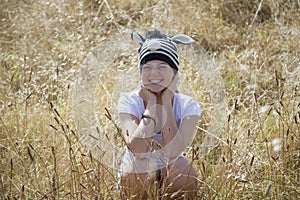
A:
x: 147, y: 95
x: 169, y: 91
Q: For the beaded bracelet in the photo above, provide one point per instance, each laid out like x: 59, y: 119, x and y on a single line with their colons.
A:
x: 149, y: 117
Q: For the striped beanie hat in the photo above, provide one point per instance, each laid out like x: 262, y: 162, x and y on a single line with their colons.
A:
x: 157, y: 46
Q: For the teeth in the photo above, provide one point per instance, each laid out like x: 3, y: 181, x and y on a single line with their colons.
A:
x: 154, y: 81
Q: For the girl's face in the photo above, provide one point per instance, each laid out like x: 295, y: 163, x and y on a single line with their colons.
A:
x: 157, y: 75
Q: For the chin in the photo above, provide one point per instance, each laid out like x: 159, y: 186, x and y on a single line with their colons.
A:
x: 156, y: 90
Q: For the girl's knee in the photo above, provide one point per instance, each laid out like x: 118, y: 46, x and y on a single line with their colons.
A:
x: 181, y: 166
x: 134, y: 179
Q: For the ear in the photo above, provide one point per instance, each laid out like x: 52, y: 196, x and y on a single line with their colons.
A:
x: 182, y: 39
x: 137, y: 37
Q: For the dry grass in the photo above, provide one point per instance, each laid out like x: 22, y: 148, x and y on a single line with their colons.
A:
x: 44, y: 48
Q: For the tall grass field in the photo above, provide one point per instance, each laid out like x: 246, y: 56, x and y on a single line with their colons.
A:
x: 64, y: 63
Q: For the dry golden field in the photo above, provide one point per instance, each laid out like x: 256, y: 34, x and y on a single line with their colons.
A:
x: 63, y: 64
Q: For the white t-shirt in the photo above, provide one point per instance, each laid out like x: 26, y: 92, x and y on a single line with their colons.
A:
x: 132, y: 103
x: 183, y: 105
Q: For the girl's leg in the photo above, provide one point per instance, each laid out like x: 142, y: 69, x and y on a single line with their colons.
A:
x: 134, y: 185
x: 180, y: 179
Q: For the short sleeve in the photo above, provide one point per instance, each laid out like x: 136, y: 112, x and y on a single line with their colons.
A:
x: 186, y: 106
x: 130, y: 103
x: 191, y: 107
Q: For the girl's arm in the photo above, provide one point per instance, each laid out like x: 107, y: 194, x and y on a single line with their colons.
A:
x: 175, y: 141
x: 138, y: 132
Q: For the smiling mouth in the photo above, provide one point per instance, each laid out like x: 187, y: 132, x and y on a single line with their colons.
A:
x: 155, y: 81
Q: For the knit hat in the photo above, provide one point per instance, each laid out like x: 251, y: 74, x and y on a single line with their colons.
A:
x: 157, y: 46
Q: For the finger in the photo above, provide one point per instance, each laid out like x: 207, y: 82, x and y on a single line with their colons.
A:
x: 142, y: 84
x: 176, y: 77
x: 173, y: 84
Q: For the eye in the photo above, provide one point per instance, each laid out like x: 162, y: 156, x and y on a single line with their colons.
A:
x: 163, y: 67
x: 146, y: 68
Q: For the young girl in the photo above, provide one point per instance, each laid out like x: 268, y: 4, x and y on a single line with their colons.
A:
x: 158, y: 124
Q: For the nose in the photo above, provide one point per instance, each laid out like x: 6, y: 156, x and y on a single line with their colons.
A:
x: 154, y: 71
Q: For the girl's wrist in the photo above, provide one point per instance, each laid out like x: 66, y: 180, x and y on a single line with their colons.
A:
x: 150, y: 117
x: 166, y: 102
